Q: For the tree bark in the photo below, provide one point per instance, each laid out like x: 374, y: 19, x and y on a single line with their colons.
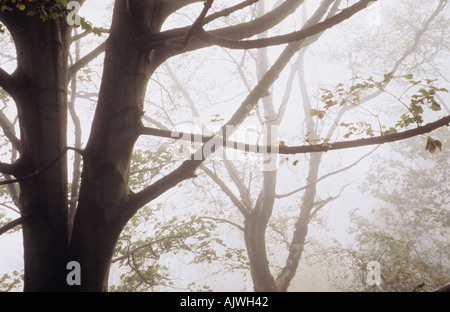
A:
x: 102, y: 210
x: 40, y: 93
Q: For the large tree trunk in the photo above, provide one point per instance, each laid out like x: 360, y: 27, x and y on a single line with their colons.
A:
x: 41, y: 96
x: 102, y: 212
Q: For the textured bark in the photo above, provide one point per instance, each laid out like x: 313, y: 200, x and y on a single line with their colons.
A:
x: 40, y: 84
x: 104, y: 183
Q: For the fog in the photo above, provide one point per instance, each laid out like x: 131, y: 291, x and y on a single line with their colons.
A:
x: 386, y: 203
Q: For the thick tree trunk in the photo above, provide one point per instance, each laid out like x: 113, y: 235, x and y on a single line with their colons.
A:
x: 40, y: 94
x: 102, y: 212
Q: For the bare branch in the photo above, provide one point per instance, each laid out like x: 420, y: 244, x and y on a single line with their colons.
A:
x: 242, y: 208
x: 288, y: 38
x: 444, y: 288
x: 8, y: 130
x: 12, y: 169
x: 325, y: 176
x: 228, y: 11
x: 195, y: 26
x: 302, y: 149
x: 187, y: 169
x: 243, y: 30
x: 243, y: 190
x: 86, y: 59
x: 77, y: 37
x: 8, y: 169
x: 6, y: 81
x: 224, y: 221
x: 10, y: 225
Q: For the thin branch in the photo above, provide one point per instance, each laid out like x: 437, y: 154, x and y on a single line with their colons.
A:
x: 155, y: 122
x: 77, y: 37
x: 243, y: 190
x: 195, y: 26
x: 301, y: 149
x: 287, y: 38
x: 35, y: 173
x: 149, y: 244
x: 86, y: 59
x: 420, y: 33
x: 242, y: 208
x: 187, y: 169
x: 8, y: 130
x: 224, y: 221
x: 325, y: 176
x: 228, y: 11
x: 10, y: 225
x: 243, y: 30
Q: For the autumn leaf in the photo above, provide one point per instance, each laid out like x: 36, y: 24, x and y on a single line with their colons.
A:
x: 432, y: 145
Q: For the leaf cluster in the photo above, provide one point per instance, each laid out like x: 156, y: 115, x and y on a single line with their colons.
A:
x: 421, y: 100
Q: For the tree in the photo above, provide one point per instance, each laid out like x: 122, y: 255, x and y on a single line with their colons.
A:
x: 265, y: 275
x: 136, y: 47
x: 407, y: 232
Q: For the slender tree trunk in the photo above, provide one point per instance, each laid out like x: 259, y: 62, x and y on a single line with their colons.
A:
x: 301, y: 227
x: 255, y: 236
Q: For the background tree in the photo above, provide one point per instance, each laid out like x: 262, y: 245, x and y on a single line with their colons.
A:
x: 407, y: 230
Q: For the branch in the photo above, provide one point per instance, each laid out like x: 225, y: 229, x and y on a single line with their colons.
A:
x: 9, y: 169
x: 242, y: 208
x: 86, y: 59
x: 194, y: 27
x: 228, y: 11
x: 77, y: 37
x: 287, y: 38
x: 10, y: 225
x: 30, y: 175
x: 325, y: 176
x: 8, y: 130
x: 224, y: 221
x: 187, y: 169
x: 243, y: 30
x: 243, y: 190
x: 444, y: 288
x: 6, y: 81
x: 149, y: 244
x: 302, y: 149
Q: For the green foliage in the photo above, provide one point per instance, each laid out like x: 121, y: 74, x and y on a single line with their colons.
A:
x: 420, y: 101
x: 140, y: 256
x: 8, y: 282
x: 45, y: 10
x: 408, y: 233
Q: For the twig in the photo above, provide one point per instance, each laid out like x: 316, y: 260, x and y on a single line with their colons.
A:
x: 35, y: 173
